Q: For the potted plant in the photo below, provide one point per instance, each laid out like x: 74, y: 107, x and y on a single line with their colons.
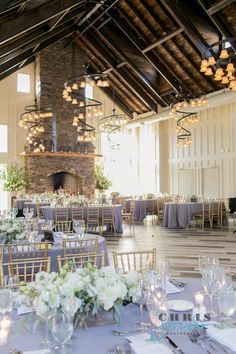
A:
x: 102, y: 183
x: 14, y: 178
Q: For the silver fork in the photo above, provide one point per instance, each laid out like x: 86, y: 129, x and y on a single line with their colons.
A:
x: 203, y: 337
x: 195, y: 340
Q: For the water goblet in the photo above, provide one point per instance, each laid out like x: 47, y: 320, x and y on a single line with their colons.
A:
x: 140, y: 298
x: 227, y: 303
x: 62, y: 329
x: 6, y: 300
x: 79, y: 227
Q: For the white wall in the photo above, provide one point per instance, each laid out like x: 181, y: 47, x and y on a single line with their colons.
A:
x: 12, y: 104
x: 210, y: 159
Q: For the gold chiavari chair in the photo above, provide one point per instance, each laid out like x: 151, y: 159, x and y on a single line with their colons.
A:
x: 2, y: 250
x: 71, y: 247
x: 63, y: 226
x: 129, y: 217
x: 216, y: 214
x: 137, y: 260
x: 92, y: 221
x: 151, y: 208
x: 26, y: 269
x: 61, y: 214
x: 202, y: 217
x: 108, y: 218
x: 77, y: 213
x: 160, y: 209
x: 81, y: 260
x: 17, y: 251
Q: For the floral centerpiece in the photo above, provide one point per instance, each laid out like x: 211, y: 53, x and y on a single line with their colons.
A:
x: 11, y: 230
x: 92, y: 290
x: 76, y: 200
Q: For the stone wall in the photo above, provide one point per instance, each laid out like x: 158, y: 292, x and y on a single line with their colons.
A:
x: 54, y: 66
x: 40, y: 169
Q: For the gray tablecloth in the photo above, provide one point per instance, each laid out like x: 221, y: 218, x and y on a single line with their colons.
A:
x: 20, y: 203
x: 49, y: 214
x: 178, y: 215
x: 58, y: 251
x: 98, y: 340
x: 32, y: 205
x: 141, y: 207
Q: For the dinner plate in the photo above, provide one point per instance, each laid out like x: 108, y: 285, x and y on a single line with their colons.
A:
x: 180, y: 305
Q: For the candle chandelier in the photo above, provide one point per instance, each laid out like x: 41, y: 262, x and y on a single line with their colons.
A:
x: 86, y: 133
x: 32, y: 119
x: 221, y: 63
x: 184, y: 136
x: 112, y: 125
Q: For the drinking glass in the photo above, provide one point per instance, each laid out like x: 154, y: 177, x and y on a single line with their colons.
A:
x: 6, y: 301
x: 28, y: 213
x: 79, y: 227
x: 62, y: 329
x: 227, y: 303
x: 206, y: 261
x: 164, y: 268
x: 14, y: 212
x: 140, y: 298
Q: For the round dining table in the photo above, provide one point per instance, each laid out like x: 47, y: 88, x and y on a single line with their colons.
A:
x: 178, y: 215
x: 25, y: 336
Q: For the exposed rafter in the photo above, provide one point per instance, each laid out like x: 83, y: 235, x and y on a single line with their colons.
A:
x: 35, y: 17
x: 219, y: 6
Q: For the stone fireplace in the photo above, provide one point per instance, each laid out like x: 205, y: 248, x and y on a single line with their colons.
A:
x: 65, y: 160
x: 47, y: 173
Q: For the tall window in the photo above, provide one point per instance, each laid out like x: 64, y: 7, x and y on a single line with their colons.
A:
x: 3, y: 138
x: 23, y: 83
x: 89, y: 91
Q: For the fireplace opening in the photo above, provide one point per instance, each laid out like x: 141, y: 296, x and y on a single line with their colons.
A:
x: 65, y: 181
x: 58, y: 180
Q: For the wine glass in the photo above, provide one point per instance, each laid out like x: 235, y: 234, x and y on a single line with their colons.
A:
x: 206, y: 261
x: 227, y: 303
x: 6, y: 300
x: 140, y: 298
x: 158, y: 314
x: 62, y: 329
x: 79, y: 227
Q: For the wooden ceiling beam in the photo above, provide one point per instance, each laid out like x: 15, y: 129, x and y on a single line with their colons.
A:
x: 215, y: 18
x: 219, y: 6
x: 162, y: 40
x: 28, y: 54
x: 173, y: 40
x: 34, y: 45
x: 196, y: 38
x: 155, y: 60
x: 153, y: 91
x: 35, y: 17
x: 15, y: 68
x: 130, y: 81
x: 15, y: 5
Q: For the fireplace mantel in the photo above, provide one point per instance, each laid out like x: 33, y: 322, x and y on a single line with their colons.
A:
x: 60, y: 154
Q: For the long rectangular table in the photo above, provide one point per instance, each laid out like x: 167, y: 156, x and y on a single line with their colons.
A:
x: 49, y: 214
x: 100, y: 339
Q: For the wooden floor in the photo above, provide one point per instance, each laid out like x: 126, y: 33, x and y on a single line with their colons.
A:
x: 180, y: 246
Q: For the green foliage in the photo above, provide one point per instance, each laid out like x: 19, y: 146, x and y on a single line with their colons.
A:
x: 101, y: 181
x: 14, y: 178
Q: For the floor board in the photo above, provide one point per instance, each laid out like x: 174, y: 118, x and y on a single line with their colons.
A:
x: 181, y: 246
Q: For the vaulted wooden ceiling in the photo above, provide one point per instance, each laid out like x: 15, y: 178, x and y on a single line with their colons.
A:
x: 150, y: 49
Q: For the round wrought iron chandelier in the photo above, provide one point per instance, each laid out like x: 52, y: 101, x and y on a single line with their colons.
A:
x: 86, y: 131
x: 184, y: 136
x: 221, y: 62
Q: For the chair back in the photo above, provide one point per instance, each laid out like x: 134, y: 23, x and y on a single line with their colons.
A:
x: 88, y: 245
x: 26, y: 269
x: 61, y: 214
x: 77, y: 213
x: 81, y: 260
x: 138, y: 260
x: 132, y: 206
x: 63, y: 226
x: 19, y: 251
x: 107, y: 213
x: 92, y: 214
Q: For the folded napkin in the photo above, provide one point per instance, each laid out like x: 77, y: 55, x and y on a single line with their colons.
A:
x: 140, y: 345
x: 23, y: 310
x: 171, y: 288
x: 40, y: 351
x: 225, y: 336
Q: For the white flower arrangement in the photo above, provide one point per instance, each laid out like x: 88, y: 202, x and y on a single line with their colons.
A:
x: 91, y: 290
x: 76, y: 200
x: 12, y: 229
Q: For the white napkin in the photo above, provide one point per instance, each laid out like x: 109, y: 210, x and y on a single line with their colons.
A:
x: 225, y: 336
x: 40, y: 351
x: 171, y: 288
x: 140, y: 345
x: 23, y: 310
